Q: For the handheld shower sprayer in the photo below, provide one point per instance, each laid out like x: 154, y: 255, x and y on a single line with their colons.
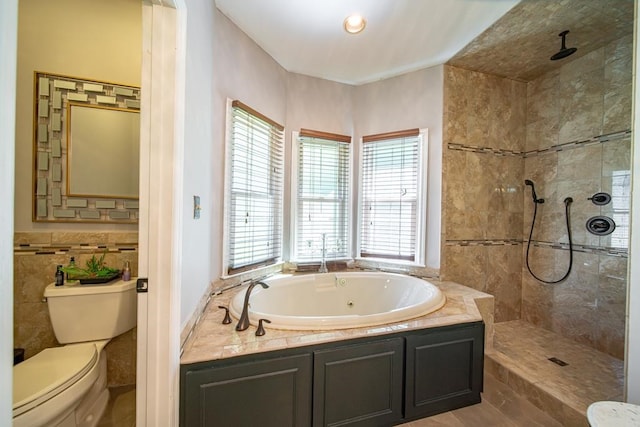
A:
x: 533, y: 191
x: 536, y: 201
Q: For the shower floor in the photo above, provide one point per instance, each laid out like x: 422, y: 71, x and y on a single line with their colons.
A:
x: 520, y: 358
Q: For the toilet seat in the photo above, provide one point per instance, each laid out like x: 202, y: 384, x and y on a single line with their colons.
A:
x: 48, y: 373
x: 613, y: 414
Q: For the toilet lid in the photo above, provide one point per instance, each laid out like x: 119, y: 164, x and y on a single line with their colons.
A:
x: 613, y: 414
x: 49, y: 372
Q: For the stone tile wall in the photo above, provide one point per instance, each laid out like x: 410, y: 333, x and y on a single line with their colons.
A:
x: 35, y: 258
x: 484, y: 136
x: 578, y: 144
x: 569, y: 132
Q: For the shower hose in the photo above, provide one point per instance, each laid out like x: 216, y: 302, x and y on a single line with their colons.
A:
x: 567, y: 203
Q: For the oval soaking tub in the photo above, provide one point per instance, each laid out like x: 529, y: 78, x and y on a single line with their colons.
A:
x: 339, y: 300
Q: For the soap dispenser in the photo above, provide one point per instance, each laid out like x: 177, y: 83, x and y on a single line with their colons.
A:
x: 72, y: 264
x: 59, y: 276
x: 126, y: 272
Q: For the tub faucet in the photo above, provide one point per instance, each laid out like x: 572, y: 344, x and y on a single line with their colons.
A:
x: 323, y: 263
x: 243, y: 323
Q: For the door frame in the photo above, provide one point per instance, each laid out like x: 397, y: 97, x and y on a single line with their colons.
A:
x: 160, y: 225
x: 8, y: 65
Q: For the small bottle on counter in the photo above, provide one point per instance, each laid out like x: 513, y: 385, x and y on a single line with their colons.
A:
x: 59, y: 276
x: 72, y: 264
x: 126, y: 272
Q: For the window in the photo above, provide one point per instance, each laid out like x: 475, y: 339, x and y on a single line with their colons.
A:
x: 393, y: 200
x: 320, y: 195
x: 253, y: 208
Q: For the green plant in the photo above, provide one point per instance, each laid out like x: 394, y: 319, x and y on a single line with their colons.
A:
x: 96, y: 268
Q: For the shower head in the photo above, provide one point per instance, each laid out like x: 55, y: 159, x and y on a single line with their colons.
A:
x: 564, y: 51
x: 533, y: 191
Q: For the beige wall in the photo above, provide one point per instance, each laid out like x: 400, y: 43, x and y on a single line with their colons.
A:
x: 411, y: 100
x: 484, y: 134
x: 99, y: 41
x: 581, y: 100
x: 498, y: 133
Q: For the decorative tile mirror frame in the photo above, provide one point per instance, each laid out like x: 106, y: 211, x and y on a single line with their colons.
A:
x: 54, y: 96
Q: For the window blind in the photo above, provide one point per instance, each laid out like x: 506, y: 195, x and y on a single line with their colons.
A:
x: 255, y: 190
x: 322, y: 205
x: 390, y: 173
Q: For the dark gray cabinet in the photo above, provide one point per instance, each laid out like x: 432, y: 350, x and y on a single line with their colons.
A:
x: 374, y: 381
x: 273, y: 393
x: 444, y: 370
x: 359, y: 385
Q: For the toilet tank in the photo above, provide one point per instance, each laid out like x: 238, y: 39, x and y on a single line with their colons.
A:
x: 91, y: 312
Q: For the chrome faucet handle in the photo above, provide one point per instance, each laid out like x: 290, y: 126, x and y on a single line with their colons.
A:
x: 260, y: 331
x: 227, y: 318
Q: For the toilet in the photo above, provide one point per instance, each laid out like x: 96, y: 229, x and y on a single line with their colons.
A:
x: 67, y: 386
x: 613, y: 414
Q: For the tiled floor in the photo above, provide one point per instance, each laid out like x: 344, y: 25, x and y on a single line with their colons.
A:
x: 121, y: 410
x: 519, y: 358
x: 500, y: 407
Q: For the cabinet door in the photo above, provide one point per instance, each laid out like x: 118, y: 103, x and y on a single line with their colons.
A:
x: 274, y: 392
x: 444, y: 370
x: 359, y: 385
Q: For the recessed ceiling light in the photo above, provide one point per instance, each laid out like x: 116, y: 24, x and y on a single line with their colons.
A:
x: 354, y: 24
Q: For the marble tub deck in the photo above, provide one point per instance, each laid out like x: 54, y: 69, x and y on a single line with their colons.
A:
x: 516, y: 352
x: 211, y: 340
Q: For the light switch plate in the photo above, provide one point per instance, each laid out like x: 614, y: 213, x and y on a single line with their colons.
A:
x: 196, y: 207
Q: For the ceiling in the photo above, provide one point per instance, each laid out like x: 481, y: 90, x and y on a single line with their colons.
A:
x: 307, y: 37
x: 503, y: 37
x: 520, y: 43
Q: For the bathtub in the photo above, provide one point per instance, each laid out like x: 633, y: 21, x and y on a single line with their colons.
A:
x: 339, y: 300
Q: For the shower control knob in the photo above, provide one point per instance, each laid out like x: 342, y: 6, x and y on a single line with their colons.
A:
x: 600, y: 199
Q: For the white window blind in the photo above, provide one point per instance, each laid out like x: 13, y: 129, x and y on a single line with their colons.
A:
x: 322, y: 196
x: 254, y: 190
x: 390, y: 195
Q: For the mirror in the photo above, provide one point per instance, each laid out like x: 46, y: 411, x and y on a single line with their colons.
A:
x: 103, y: 151
x: 86, y: 150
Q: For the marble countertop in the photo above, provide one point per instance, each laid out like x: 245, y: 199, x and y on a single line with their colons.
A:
x: 212, y: 340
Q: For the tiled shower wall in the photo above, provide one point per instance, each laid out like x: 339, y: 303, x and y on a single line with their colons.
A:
x: 569, y: 132
x: 578, y: 144
x: 35, y: 258
x: 484, y: 136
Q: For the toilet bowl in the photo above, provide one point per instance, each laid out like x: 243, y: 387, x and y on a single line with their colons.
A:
x: 67, y: 386
x: 53, y: 385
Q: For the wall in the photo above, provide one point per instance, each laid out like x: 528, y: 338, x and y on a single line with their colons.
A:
x: 499, y: 132
x: 200, y: 150
x: 583, y: 99
x: 67, y: 37
x: 315, y: 104
x: 405, y: 102
x: 239, y: 69
x: 484, y: 136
